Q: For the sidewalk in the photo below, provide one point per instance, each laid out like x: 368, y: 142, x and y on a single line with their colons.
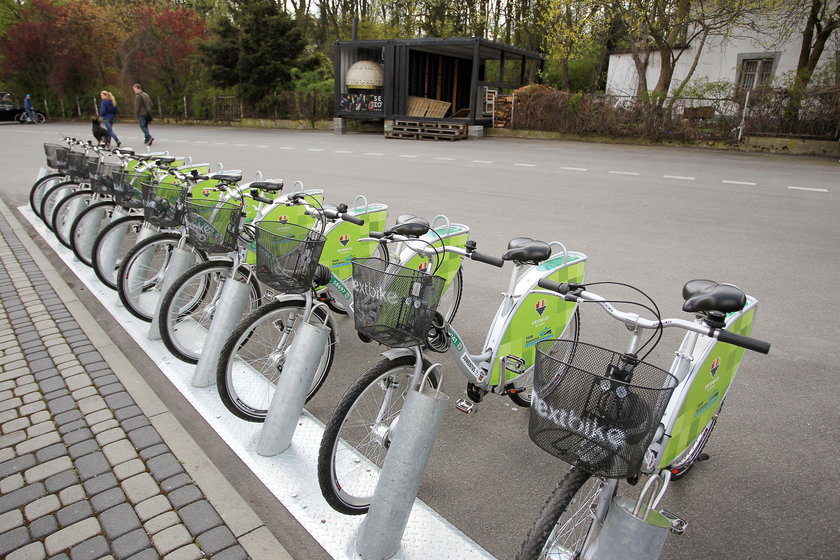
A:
x: 92, y: 464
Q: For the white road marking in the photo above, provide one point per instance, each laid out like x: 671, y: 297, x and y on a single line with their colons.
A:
x: 314, y: 150
x: 241, y: 145
x: 445, y: 158
x: 624, y: 173
x: 202, y: 142
x: 524, y: 165
x: 264, y: 146
x: 407, y: 156
x: 811, y: 189
x: 287, y: 148
x: 481, y: 161
x: 344, y: 151
x: 374, y: 154
x: 573, y: 168
x: 220, y: 143
x: 749, y: 183
x: 678, y: 177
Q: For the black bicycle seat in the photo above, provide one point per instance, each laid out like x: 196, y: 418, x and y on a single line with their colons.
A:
x: 271, y: 185
x: 410, y: 226
x: 229, y: 177
x: 702, y: 296
x: 527, y: 250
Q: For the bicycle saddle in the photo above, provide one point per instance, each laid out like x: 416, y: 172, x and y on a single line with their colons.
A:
x: 525, y: 249
x: 708, y: 295
x: 271, y: 185
x: 227, y: 176
x: 410, y: 226
x: 164, y: 160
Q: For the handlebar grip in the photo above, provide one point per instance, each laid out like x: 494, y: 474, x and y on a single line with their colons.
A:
x: 377, y: 234
x: 489, y: 259
x: 353, y: 219
x: 260, y: 198
x: 743, y: 341
x: 559, y: 287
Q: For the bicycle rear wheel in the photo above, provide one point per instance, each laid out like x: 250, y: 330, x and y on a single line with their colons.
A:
x: 41, y: 186
x: 111, y: 245
x: 358, y: 434
x: 52, y: 197
x: 65, y: 213
x: 189, y: 305
x: 253, y: 357
x: 561, y: 529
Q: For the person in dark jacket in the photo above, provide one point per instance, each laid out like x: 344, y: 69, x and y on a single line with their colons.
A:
x: 143, y: 108
x: 108, y: 111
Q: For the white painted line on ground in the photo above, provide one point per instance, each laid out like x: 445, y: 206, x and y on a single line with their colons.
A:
x: 573, y: 168
x: 749, y: 183
x: 314, y: 150
x: 524, y: 165
x: 344, y: 151
x: 407, y: 156
x: 220, y: 143
x: 445, y: 158
x: 481, y: 161
x: 678, y: 177
x: 202, y: 142
x: 374, y: 154
x: 811, y: 189
x: 263, y: 146
x: 241, y: 145
x: 287, y: 148
x: 624, y: 173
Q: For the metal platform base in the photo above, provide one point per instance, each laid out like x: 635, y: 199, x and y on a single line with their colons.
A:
x: 290, y: 476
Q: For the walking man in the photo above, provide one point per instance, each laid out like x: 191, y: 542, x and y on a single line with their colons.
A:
x: 143, y: 108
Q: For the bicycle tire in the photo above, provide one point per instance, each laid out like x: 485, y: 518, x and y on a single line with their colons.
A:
x: 65, y: 213
x: 52, y: 197
x: 188, y: 306
x: 87, y: 226
x: 39, y: 118
x: 36, y: 193
x: 566, y: 513
x: 248, y: 371
x: 524, y: 383
x: 350, y: 490
x: 124, y: 232
x: 141, y: 276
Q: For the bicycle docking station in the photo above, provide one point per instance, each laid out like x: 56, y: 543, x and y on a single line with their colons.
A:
x: 179, y: 263
x: 381, y: 531
x: 289, y: 398
x: 233, y: 302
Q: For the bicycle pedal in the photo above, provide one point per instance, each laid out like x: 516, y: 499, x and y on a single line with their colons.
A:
x: 465, y: 406
x: 678, y: 525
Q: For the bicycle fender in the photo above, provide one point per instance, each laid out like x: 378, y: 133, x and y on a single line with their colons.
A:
x: 302, y: 299
x: 395, y: 353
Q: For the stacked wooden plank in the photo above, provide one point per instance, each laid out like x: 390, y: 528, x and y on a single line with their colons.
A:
x: 426, y: 130
x: 504, y: 111
x: 424, y: 107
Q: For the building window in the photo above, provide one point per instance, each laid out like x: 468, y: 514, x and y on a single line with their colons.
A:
x: 755, y: 70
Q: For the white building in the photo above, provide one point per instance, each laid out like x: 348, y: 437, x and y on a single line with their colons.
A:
x: 743, y: 58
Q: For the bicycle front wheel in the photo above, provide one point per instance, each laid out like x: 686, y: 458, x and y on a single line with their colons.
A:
x: 189, y: 305
x: 566, y: 519
x: 41, y: 186
x: 111, y: 245
x: 253, y: 357
x: 87, y: 226
x: 358, y: 434
x: 142, y: 272
x: 525, y: 383
x: 52, y: 197
x: 65, y: 213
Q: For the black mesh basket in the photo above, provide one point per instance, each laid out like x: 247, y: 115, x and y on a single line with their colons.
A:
x: 57, y: 156
x: 77, y: 166
x: 164, y: 205
x: 392, y: 304
x: 582, y: 415
x: 213, y: 225
x: 103, y: 181
x: 91, y: 169
x: 126, y: 188
x: 287, y: 256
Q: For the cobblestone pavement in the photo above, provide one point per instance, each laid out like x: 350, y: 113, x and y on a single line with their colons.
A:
x: 83, y: 473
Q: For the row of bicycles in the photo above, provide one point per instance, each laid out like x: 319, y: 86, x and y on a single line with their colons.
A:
x: 230, y: 273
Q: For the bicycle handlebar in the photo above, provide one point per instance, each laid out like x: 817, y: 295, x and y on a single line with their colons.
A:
x: 576, y: 293
x: 468, y: 252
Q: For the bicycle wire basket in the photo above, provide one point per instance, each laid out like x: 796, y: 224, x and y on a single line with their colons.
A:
x: 91, y: 170
x: 103, y: 182
x: 163, y: 203
x: 287, y: 256
x: 77, y: 166
x: 588, y: 419
x: 392, y: 304
x: 57, y: 156
x: 126, y: 188
x: 213, y: 225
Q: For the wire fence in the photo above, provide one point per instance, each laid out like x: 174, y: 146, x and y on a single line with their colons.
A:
x: 757, y: 112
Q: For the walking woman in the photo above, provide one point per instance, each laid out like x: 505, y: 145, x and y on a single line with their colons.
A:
x: 108, y: 111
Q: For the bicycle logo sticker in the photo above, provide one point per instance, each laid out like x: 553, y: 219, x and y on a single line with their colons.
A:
x: 283, y: 219
x: 715, y: 365
x: 590, y: 427
x: 344, y: 240
x: 540, y: 307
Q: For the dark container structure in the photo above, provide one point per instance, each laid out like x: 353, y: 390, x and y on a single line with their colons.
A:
x: 448, y: 79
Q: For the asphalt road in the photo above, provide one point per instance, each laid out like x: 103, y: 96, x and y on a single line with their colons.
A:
x: 652, y: 217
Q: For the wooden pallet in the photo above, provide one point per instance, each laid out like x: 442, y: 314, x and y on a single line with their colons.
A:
x: 426, y: 130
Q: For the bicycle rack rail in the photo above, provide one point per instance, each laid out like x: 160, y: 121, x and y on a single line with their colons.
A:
x: 414, y: 436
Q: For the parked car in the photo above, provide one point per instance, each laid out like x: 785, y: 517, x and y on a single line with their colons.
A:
x: 13, y: 111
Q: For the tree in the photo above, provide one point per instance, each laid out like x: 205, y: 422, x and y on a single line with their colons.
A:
x: 254, y: 50
x: 571, y: 30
